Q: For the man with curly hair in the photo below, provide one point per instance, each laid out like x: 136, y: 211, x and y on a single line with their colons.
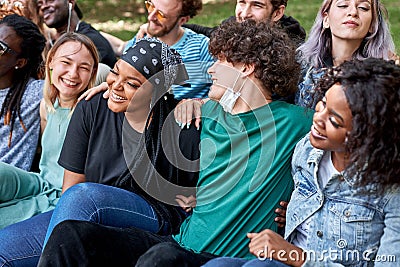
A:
x: 165, y: 20
x: 247, y: 143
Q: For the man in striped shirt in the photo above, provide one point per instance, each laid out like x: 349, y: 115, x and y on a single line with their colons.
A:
x: 165, y: 21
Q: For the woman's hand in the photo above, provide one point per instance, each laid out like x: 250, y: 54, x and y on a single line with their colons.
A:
x: 186, y: 203
x: 89, y: 93
x: 280, y: 219
x: 188, y: 109
x: 268, y: 244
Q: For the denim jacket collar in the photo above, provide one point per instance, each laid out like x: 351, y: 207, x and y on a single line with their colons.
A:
x: 314, y: 159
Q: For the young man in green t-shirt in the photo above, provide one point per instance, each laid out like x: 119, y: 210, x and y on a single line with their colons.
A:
x: 247, y: 144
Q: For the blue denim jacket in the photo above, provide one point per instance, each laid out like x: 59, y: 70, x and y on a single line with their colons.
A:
x: 310, y: 77
x: 348, y: 227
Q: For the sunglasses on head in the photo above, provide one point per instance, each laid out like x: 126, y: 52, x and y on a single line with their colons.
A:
x: 150, y: 8
x: 5, y: 49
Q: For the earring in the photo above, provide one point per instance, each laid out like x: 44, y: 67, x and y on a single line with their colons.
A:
x: 51, y: 74
x: 16, y: 67
x: 326, y: 26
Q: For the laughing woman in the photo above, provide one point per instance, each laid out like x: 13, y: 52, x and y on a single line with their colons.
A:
x: 120, y: 141
x: 71, y: 68
x: 344, y: 209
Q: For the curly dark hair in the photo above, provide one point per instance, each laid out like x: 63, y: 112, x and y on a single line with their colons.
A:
x: 372, y: 89
x: 191, y: 7
x: 263, y: 45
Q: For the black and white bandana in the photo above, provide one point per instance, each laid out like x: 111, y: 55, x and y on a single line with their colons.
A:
x: 151, y: 57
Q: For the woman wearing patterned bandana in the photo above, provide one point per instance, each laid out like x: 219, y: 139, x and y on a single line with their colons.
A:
x: 128, y: 132
x: 123, y: 146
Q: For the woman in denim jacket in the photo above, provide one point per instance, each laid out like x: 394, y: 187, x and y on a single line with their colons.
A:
x: 344, y: 209
x: 343, y: 30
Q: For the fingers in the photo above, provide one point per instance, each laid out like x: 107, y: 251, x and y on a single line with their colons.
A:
x: 186, y: 203
x: 260, y: 241
x: 83, y: 95
x: 177, y: 113
x: 187, y: 114
x: 89, y: 93
x: 281, y: 222
x: 142, y: 31
x: 106, y: 94
x: 186, y: 110
x: 251, y: 235
x: 284, y: 204
x: 197, y: 115
x: 280, y: 212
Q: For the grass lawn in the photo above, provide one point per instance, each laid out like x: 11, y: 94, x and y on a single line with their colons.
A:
x: 123, y: 17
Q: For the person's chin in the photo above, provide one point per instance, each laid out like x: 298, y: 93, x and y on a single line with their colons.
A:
x: 155, y: 30
x: 115, y: 107
x: 316, y: 143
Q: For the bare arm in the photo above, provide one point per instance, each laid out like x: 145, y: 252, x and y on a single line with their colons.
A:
x: 117, y: 44
x: 72, y: 178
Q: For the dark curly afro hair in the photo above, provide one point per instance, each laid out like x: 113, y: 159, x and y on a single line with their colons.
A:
x: 372, y: 89
x: 263, y: 45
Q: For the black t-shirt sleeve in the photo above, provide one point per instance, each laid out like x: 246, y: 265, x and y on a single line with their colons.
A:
x: 74, y: 151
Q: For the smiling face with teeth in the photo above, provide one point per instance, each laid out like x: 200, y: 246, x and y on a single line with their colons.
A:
x: 72, y: 68
x: 124, y: 82
x: 332, y: 122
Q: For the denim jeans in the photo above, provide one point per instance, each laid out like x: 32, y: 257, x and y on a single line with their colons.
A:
x: 21, y: 243
x: 238, y: 262
x: 103, y: 204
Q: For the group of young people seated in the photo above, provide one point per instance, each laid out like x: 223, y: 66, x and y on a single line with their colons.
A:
x: 240, y: 145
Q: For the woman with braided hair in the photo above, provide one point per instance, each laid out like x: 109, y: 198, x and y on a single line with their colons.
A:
x: 21, y: 45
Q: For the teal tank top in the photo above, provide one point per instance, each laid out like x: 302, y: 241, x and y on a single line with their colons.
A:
x: 52, y: 142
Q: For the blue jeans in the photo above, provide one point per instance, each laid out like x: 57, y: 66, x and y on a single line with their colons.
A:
x: 103, y: 204
x: 238, y: 262
x: 21, y: 243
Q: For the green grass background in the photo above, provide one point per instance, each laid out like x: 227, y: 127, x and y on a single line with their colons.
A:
x: 123, y: 17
